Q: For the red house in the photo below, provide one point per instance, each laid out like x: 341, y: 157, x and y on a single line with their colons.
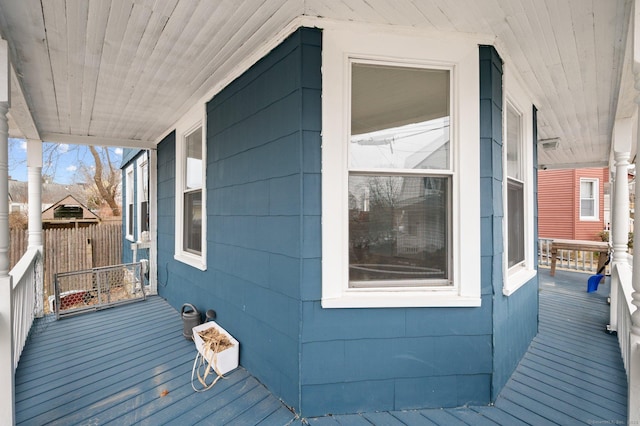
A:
x: 571, y: 203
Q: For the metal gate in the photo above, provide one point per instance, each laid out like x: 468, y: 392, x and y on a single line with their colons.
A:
x: 98, y: 288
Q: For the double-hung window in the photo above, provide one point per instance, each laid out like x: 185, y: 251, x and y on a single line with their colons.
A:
x: 129, y: 191
x: 400, y: 176
x: 589, y: 199
x: 143, y: 194
x: 519, y: 257
x: 190, y: 190
x: 400, y: 189
x: 515, y: 187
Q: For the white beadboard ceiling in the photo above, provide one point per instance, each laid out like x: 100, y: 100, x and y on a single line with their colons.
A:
x: 122, y: 72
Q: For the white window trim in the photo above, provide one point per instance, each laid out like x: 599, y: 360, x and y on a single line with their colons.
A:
x: 140, y: 162
x: 129, y: 199
x: 596, y: 205
x: 514, y: 94
x: 460, y: 55
x: 194, y: 118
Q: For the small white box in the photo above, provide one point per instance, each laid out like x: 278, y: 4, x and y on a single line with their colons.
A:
x: 226, y: 360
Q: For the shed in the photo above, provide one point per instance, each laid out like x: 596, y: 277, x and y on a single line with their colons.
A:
x: 68, y: 213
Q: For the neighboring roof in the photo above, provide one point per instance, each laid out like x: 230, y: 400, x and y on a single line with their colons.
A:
x: 69, y: 201
x: 51, y: 192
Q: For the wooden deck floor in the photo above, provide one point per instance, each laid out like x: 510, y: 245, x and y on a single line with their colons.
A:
x: 129, y: 365
x: 100, y: 369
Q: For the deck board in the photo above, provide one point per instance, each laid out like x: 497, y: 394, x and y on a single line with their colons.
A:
x: 413, y: 418
x: 117, y: 367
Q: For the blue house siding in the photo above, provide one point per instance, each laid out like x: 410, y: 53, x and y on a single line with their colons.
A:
x: 128, y: 155
x: 166, y: 175
x: 392, y: 359
x: 514, y: 317
x: 263, y: 228
x: 264, y: 276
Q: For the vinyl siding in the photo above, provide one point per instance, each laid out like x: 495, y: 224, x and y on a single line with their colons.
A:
x: 556, y: 203
x: 264, y: 266
x: 514, y: 318
x: 559, y: 204
x: 263, y: 210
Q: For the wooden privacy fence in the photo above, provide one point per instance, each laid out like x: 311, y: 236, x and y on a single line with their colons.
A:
x: 72, y: 249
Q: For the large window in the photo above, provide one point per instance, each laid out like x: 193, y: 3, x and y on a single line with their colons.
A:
x: 400, y: 147
x: 399, y: 176
x: 519, y: 257
x: 589, y: 199
x: 190, y: 190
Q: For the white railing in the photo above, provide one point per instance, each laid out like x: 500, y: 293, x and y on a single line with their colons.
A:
x: 621, y: 278
x: 25, y: 274
x: 575, y: 260
x: 622, y: 310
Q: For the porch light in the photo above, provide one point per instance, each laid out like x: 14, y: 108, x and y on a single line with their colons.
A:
x: 549, y: 144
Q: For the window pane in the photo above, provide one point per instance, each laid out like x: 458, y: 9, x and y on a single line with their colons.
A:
x: 144, y: 171
x: 587, y: 208
x: 130, y: 219
x: 514, y: 134
x: 398, y: 230
x: 193, y: 165
x: 399, y: 118
x: 144, y: 213
x: 515, y: 220
x: 193, y: 222
x: 586, y: 189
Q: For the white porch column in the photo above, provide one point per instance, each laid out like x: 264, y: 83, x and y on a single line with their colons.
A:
x: 7, y: 384
x: 622, y: 137
x: 34, y: 171
x: 633, y: 416
x: 34, y: 178
x: 153, y: 220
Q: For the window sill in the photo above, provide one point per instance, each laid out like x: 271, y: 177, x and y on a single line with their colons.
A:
x: 130, y: 238
x: 517, y: 279
x: 191, y: 260
x: 399, y: 299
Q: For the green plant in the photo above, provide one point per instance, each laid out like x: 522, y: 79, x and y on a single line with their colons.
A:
x: 604, y: 236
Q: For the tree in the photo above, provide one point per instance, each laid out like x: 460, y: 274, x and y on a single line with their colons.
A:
x: 105, y: 178
x: 90, y: 166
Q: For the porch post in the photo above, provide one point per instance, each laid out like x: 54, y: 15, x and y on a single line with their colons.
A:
x: 34, y: 171
x: 633, y: 407
x: 622, y: 136
x: 7, y: 384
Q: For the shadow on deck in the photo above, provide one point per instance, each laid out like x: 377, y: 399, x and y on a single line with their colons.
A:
x: 130, y: 364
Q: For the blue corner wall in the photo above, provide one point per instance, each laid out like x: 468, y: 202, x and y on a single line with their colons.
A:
x: 263, y: 210
x: 515, y: 318
x: 263, y: 272
x: 355, y: 360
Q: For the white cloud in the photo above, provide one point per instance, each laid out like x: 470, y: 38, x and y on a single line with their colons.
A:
x: 23, y: 145
x: 71, y: 168
x: 63, y: 147
x: 118, y: 151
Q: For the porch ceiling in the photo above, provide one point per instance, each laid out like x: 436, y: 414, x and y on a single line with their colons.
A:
x: 122, y: 72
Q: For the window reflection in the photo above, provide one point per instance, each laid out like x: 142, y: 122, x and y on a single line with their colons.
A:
x: 398, y: 229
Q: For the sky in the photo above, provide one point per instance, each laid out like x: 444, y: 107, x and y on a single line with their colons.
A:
x: 61, y: 161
